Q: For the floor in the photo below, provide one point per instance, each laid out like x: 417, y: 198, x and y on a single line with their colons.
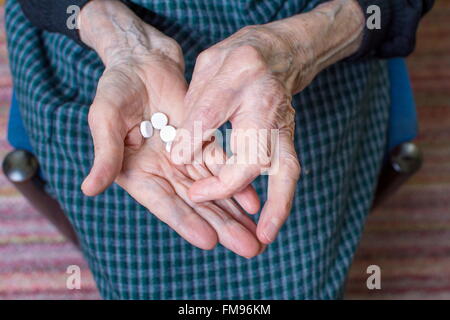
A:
x: 409, y: 237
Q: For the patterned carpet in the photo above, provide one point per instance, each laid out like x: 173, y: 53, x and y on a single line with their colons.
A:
x: 33, y: 255
x: 409, y: 237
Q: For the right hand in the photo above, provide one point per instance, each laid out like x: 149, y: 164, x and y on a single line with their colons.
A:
x: 144, y: 74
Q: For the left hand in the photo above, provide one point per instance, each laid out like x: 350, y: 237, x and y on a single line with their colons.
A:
x: 249, y: 79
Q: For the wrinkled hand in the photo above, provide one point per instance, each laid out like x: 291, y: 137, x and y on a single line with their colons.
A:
x: 236, y: 80
x: 249, y: 79
x: 144, y: 74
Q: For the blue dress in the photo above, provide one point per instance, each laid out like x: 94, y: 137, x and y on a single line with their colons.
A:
x: 341, y: 124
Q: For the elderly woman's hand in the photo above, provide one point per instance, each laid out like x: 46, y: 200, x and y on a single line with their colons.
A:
x: 249, y: 79
x: 143, y: 75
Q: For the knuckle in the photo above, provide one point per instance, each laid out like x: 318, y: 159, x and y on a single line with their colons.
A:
x: 247, y: 50
x: 248, y: 29
x: 248, y: 57
x: 289, y: 113
x: 202, y: 58
x: 92, y: 117
x: 292, y: 166
x: 172, y: 47
x: 100, y: 119
x: 206, y: 57
x: 206, y: 114
x: 228, y: 187
x: 257, y: 32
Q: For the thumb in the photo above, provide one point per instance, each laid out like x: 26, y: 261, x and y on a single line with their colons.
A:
x: 108, y: 133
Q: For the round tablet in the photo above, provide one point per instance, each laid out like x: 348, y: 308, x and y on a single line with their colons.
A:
x: 168, y: 134
x: 168, y: 146
x: 159, y: 120
x: 146, y: 129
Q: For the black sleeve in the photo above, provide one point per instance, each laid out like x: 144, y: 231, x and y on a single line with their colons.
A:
x: 397, y: 35
x: 52, y: 15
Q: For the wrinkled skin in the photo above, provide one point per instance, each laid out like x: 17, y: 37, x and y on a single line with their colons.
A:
x: 247, y: 79
x: 137, y: 82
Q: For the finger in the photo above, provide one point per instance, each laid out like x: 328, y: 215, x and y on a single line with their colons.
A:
x: 167, y: 206
x: 228, y: 205
x: 232, y: 179
x: 248, y: 199
x: 108, y: 133
x: 215, y: 159
x: 238, y: 235
x: 231, y: 207
x: 281, y: 191
x: 251, y: 147
x: 212, y: 109
x: 235, y: 230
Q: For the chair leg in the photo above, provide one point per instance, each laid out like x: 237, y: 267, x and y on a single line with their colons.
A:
x: 21, y: 168
x: 404, y: 161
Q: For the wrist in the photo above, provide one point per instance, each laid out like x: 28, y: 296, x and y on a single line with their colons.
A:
x: 116, y: 33
x: 327, y: 34
x: 93, y: 21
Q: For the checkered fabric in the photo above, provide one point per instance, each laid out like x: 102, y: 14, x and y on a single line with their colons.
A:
x: 340, y: 138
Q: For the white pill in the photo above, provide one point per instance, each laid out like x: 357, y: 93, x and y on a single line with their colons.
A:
x: 159, y: 120
x: 169, y: 146
x: 146, y: 129
x: 168, y: 134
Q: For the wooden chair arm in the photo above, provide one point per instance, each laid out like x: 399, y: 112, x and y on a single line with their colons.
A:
x: 22, y: 170
x: 403, y: 162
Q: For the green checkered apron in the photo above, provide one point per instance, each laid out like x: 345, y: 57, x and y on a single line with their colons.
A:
x: 340, y: 138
